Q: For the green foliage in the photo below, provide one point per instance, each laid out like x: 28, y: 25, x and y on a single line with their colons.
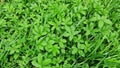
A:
x: 60, y: 34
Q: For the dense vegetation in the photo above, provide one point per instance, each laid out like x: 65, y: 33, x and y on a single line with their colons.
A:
x: 60, y: 34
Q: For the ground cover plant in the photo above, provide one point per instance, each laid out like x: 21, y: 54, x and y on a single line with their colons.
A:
x: 59, y: 34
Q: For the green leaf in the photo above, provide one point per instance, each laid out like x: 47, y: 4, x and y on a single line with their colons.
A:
x: 16, y: 55
x: 81, y: 46
x: 66, y: 34
x: 34, y: 63
x: 55, y: 50
x: 40, y: 58
x: 46, y: 61
x: 74, y: 50
x: 68, y: 29
x: 71, y: 37
x: 85, y: 65
x: 107, y: 21
x: 81, y: 53
x: 100, y: 24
